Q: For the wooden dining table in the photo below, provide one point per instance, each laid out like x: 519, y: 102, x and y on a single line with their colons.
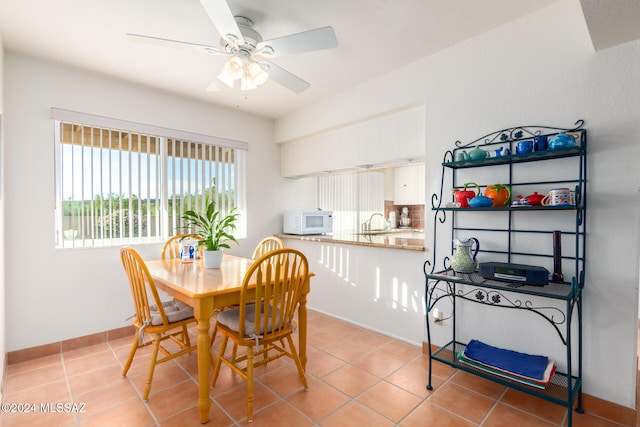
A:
x: 208, y: 289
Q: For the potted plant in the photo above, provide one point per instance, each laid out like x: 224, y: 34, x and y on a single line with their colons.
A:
x: 215, y: 230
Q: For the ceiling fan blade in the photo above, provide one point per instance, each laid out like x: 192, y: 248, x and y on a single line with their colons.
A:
x: 194, y: 47
x: 286, y: 79
x: 224, y: 21
x: 306, y: 41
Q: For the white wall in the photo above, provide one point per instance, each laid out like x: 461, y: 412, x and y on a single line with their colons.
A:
x: 2, y: 269
x: 52, y: 295
x: 538, y: 70
x: 371, y: 287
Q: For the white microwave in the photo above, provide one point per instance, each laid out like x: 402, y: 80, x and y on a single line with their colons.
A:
x: 308, y: 222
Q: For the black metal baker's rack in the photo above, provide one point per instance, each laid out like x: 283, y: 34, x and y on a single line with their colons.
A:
x: 442, y: 283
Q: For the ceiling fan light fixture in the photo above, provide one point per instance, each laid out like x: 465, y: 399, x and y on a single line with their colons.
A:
x: 234, y: 68
x: 247, y: 83
x: 257, y: 73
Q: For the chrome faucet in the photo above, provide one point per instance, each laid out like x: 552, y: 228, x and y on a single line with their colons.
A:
x: 366, y: 226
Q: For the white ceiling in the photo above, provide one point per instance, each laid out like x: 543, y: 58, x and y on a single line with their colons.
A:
x: 374, y: 37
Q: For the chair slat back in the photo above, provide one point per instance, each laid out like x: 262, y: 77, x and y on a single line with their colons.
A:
x: 172, y: 247
x: 142, y: 286
x: 271, y: 292
x: 267, y: 244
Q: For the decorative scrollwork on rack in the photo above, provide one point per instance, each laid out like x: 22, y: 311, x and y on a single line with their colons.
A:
x: 514, y: 133
x: 436, y: 200
x: 435, y: 293
x: 426, y: 266
x: 552, y: 315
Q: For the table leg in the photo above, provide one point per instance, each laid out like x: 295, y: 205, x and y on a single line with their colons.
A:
x: 302, y: 334
x: 203, y: 311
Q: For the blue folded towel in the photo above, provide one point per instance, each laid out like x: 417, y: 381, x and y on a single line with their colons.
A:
x: 527, y: 365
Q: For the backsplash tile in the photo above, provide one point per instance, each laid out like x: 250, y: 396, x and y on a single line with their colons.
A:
x: 416, y: 213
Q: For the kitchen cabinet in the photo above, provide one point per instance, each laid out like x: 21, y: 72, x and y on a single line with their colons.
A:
x: 371, y: 143
x: 409, y: 185
x: 509, y: 235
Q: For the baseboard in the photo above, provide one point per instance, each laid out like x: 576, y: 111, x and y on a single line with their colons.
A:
x: 31, y: 353
x: 593, y: 405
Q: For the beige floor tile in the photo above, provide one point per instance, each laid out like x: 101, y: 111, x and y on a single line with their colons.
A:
x: 321, y: 363
x: 549, y: 411
x: 351, y: 380
x: 171, y: 400
x: 283, y: 381
x: 378, y: 364
x: 41, y: 362
x: 34, y: 378
x: 95, y: 379
x: 131, y: 414
x: 427, y: 415
x: 356, y: 414
x: 414, y: 381
x: 79, y: 365
x: 389, y: 400
x: 191, y: 417
x: 463, y: 402
x: 348, y: 350
x: 588, y: 420
x: 85, y: 351
x: 234, y: 401
x: 400, y: 351
x: 478, y: 384
x: 38, y: 419
x: 280, y: 414
x: 507, y: 416
x: 106, y: 397
x: 165, y: 375
x: 56, y: 391
x: 319, y: 401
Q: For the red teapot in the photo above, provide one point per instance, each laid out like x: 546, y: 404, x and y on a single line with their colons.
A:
x: 461, y: 196
x: 535, y: 199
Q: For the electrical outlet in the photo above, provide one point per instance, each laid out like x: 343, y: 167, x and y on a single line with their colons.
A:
x: 437, y: 316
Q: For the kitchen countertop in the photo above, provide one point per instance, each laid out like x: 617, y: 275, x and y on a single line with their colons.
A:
x: 379, y: 239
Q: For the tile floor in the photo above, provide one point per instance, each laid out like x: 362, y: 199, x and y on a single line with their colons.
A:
x: 356, y: 378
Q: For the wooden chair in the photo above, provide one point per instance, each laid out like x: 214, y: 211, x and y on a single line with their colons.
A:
x: 162, y: 320
x: 267, y: 244
x: 172, y: 247
x: 276, y: 280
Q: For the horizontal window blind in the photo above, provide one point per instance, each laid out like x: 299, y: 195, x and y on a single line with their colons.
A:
x: 141, y: 128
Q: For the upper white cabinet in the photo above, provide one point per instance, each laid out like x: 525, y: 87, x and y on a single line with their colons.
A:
x: 409, y: 185
x: 396, y: 137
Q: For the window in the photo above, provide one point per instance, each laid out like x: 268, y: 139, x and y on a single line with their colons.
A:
x: 352, y: 196
x: 131, y: 183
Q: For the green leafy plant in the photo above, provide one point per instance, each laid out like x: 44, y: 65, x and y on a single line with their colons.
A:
x: 212, y: 226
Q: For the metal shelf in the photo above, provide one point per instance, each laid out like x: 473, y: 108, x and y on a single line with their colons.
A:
x: 515, y: 158
x: 443, y: 284
x: 563, y: 291
x: 557, y: 391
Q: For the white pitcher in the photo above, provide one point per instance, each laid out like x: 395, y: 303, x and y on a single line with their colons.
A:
x: 463, y: 261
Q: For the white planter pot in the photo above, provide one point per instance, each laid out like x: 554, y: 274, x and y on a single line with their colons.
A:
x: 212, y: 259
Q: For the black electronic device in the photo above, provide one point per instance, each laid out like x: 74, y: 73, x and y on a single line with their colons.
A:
x: 515, y: 273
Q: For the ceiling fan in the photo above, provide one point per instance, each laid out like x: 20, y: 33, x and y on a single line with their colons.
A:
x: 249, y: 55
